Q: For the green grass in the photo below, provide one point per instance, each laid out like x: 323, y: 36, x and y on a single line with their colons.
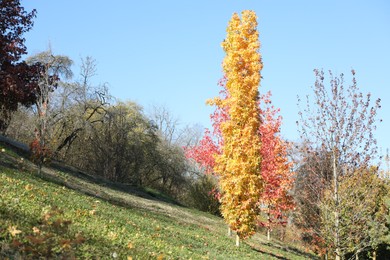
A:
x: 61, y: 215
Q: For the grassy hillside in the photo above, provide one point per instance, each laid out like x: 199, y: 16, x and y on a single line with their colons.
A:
x: 67, y: 214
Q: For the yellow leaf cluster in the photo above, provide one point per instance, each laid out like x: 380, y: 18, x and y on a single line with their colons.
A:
x: 240, y: 161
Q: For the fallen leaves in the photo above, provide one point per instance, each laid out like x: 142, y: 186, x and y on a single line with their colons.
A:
x: 36, y: 230
x: 14, y: 231
x: 112, y: 235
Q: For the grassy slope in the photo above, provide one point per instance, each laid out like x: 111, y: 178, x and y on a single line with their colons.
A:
x: 65, y: 213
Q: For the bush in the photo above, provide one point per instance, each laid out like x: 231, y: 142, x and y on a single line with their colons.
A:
x: 202, y: 195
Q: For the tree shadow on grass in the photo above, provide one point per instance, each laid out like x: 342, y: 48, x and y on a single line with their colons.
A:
x: 269, y: 253
x: 286, y: 249
x: 121, y: 187
x: 23, y: 151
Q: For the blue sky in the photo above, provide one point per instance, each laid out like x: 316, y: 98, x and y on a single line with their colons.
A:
x: 168, y: 52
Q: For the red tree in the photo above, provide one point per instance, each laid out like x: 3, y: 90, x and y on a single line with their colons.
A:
x: 17, y: 80
x: 275, y: 168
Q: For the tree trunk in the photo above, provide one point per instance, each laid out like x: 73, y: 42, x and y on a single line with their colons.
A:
x: 374, y: 255
x: 237, y: 240
x: 39, y: 169
x: 229, y: 232
x: 336, y: 209
x: 269, y: 224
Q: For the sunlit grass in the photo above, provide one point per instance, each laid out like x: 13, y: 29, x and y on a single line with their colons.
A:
x: 45, y: 219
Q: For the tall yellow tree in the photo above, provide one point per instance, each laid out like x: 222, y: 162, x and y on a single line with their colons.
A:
x: 239, y: 163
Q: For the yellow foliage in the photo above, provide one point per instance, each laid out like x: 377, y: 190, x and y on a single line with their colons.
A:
x: 240, y: 161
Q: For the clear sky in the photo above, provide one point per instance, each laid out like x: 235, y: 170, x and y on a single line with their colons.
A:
x: 169, y: 52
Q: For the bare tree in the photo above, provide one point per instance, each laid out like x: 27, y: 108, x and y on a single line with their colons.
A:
x: 341, y: 122
x: 170, y: 158
x: 77, y: 103
x: 52, y: 68
x: 167, y: 125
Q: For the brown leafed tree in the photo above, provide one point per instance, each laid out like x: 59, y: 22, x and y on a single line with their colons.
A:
x: 17, y: 80
x: 313, y: 177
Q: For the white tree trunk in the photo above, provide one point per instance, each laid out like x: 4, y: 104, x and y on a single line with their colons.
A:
x: 336, y: 209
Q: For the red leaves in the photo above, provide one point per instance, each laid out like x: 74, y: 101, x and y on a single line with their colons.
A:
x: 16, y: 79
x: 204, y: 152
x: 275, y: 167
x: 14, y: 21
x: 39, y: 152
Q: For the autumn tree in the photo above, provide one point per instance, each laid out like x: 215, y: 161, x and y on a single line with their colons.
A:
x: 275, y: 200
x: 340, y: 122
x: 239, y: 163
x: 17, y: 79
x: 313, y: 178
x: 223, y: 159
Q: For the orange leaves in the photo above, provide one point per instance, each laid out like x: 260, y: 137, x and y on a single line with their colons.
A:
x: 39, y: 151
x: 238, y: 164
x: 244, y: 150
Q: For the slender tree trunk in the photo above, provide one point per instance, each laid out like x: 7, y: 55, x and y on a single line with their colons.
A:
x: 237, y: 240
x: 269, y: 224
x: 336, y: 209
x: 374, y: 255
x: 229, y: 232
